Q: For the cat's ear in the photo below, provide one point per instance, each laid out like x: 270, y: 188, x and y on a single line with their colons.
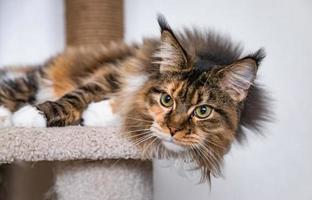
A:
x: 238, y: 77
x: 171, y: 56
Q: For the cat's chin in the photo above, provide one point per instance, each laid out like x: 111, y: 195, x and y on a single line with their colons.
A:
x: 171, y: 146
x: 166, y: 140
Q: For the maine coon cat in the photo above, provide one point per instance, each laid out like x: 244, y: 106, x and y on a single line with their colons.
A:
x: 187, y: 94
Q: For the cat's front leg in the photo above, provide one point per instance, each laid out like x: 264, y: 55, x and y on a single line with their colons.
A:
x: 68, y: 109
x: 47, y: 114
x: 63, y: 112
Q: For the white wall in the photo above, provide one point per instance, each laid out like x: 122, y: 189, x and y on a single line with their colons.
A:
x: 30, y: 31
x: 277, y: 166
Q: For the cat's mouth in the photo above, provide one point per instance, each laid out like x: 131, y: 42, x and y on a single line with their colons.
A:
x: 167, y: 140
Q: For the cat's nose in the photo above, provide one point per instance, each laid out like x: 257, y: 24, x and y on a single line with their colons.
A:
x: 173, y: 130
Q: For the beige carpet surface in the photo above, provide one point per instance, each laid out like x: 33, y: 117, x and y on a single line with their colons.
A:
x: 69, y: 143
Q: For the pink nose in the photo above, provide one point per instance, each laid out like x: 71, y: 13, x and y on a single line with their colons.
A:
x: 173, y: 130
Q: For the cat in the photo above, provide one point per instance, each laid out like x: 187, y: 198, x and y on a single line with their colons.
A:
x: 186, y: 94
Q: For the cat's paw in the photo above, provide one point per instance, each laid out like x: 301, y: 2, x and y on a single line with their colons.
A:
x: 100, y: 114
x: 5, y: 117
x: 29, y: 116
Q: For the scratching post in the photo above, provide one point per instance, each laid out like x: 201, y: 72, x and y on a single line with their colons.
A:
x: 93, y: 21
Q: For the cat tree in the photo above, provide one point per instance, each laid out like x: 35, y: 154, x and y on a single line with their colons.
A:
x: 88, y: 163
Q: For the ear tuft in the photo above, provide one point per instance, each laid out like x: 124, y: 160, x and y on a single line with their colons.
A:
x: 171, y: 56
x: 238, y: 78
x: 258, y: 56
x: 163, y: 24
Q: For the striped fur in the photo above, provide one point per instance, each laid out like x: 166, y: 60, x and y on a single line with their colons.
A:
x: 194, y: 68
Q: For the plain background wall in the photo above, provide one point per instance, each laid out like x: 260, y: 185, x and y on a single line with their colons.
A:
x: 277, y: 166
x: 30, y: 31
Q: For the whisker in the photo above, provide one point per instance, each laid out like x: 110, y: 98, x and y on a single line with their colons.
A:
x: 213, y: 143
x: 143, y: 139
x: 210, y: 142
x: 138, y: 135
x: 114, y: 163
x: 157, y: 150
x: 212, y: 160
x: 138, y: 130
x: 140, y: 142
x: 146, y: 148
x: 132, y: 126
x: 213, y: 157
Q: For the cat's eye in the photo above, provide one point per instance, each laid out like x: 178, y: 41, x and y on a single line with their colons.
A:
x: 166, y: 100
x: 202, y: 111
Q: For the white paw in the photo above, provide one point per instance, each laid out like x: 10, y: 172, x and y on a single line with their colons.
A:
x: 100, y: 114
x: 5, y: 117
x: 29, y: 116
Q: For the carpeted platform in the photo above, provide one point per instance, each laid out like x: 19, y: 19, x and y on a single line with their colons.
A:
x: 68, y: 143
x: 88, y: 163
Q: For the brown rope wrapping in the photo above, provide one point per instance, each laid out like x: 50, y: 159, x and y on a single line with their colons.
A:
x: 93, y: 21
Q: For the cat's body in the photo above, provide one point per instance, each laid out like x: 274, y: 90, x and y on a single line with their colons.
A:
x: 118, y: 70
x: 183, y: 95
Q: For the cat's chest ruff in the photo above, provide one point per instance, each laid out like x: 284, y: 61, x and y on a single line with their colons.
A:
x: 109, y: 112
x: 101, y: 114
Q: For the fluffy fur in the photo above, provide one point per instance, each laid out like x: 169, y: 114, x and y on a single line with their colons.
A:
x: 187, y: 94
x: 28, y: 116
x: 100, y: 114
x: 5, y: 117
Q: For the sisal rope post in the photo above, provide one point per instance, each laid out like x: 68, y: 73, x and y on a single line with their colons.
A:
x: 93, y: 21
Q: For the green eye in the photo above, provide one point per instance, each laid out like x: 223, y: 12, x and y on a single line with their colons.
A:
x: 166, y: 100
x: 202, y: 111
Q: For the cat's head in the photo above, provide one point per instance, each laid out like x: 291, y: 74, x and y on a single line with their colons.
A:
x: 194, y: 105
